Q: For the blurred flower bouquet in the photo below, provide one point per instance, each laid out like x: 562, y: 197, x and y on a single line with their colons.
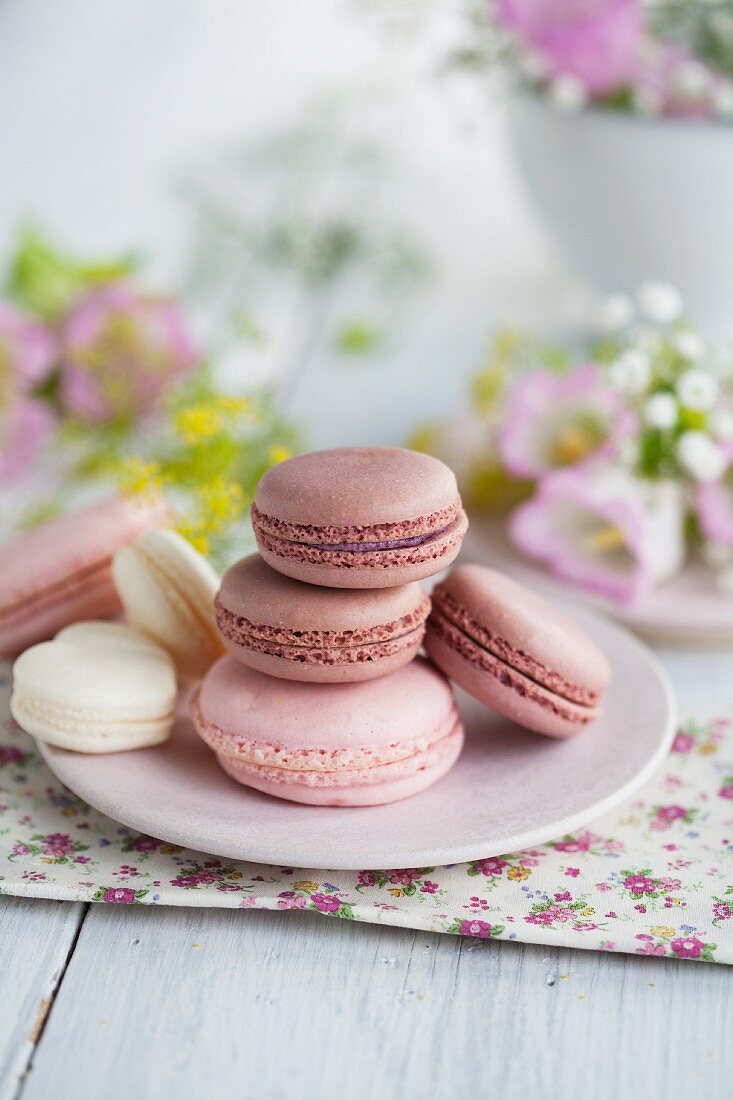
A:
x: 611, y: 465
x: 102, y: 380
x: 670, y: 58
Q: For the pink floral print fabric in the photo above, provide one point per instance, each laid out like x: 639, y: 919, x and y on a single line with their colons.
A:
x: 652, y: 878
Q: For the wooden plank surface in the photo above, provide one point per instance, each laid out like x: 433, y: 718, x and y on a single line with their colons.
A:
x: 36, y: 940
x: 265, y: 1005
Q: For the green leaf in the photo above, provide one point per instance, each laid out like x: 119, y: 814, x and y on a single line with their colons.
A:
x: 44, y: 280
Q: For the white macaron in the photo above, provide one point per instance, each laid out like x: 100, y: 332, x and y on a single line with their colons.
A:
x: 167, y: 590
x: 97, y: 687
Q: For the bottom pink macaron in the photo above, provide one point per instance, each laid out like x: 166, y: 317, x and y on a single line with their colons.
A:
x: 358, y: 744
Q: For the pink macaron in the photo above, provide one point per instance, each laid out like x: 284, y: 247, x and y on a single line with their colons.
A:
x: 342, y: 745
x: 515, y: 652
x: 359, y: 517
x: 305, y: 632
x: 61, y: 572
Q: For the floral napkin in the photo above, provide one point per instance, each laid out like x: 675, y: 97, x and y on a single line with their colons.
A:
x: 654, y: 877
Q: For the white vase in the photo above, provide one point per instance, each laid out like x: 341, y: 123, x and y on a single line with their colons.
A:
x: 630, y: 198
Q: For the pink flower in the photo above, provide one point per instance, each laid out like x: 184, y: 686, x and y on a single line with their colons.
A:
x: 638, y: 885
x: 596, y: 41
x: 650, y: 949
x: 26, y: 358
x: 405, y: 877
x: 662, y: 81
x: 603, y: 530
x: 121, y: 350
x: 726, y: 791
x: 714, y: 505
x: 543, y: 917
x: 682, y: 743
x: 145, y: 844
x: 287, y: 901
x: 722, y: 911
x: 475, y: 928
x: 119, y: 895
x: 10, y: 754
x: 688, y: 947
x: 428, y: 887
x: 553, y: 421
x: 667, y: 815
x: 326, y: 903
x: 491, y: 867
x: 577, y: 844
x: 572, y: 872
x: 57, y: 844
x: 367, y: 878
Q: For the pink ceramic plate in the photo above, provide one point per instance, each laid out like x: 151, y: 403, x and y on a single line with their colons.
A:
x: 510, y: 789
x: 688, y: 610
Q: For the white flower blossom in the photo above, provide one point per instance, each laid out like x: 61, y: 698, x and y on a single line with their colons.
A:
x: 613, y: 313
x: 723, y: 99
x: 689, y: 345
x: 698, y: 389
x: 661, y: 411
x: 534, y: 66
x: 691, y: 80
x: 720, y: 422
x: 568, y: 94
x: 645, y: 338
x: 659, y: 302
x: 701, y: 456
x: 631, y: 372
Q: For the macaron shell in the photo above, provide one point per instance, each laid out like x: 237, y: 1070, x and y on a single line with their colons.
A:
x: 167, y: 590
x: 59, y: 572
x: 363, y: 569
x: 314, y: 634
x: 505, y: 690
x: 547, y: 645
x: 350, y: 486
x: 97, y: 687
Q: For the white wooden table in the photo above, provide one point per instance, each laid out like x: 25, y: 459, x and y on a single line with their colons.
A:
x: 101, y: 1003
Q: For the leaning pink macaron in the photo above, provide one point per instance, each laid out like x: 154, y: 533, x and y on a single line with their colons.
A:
x: 60, y: 573
x: 342, y: 745
x: 359, y: 517
x: 305, y: 632
x: 515, y: 652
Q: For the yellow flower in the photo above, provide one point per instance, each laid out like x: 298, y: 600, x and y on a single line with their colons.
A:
x: 138, y: 478
x: 396, y: 893
x: 197, y: 422
x: 707, y: 748
x: 221, y: 502
x: 69, y: 811
x: 195, y: 535
x: 278, y: 454
x: 663, y: 931
x: 587, y: 911
x: 518, y: 874
x: 235, y: 406
x: 306, y: 885
x: 235, y: 874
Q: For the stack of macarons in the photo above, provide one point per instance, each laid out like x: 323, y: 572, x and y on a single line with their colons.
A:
x: 309, y: 683
x: 322, y: 697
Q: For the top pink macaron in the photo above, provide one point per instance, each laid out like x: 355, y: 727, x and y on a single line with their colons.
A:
x: 61, y: 572
x: 359, y: 517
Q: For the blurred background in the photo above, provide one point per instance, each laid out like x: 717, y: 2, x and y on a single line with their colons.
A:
x: 119, y: 121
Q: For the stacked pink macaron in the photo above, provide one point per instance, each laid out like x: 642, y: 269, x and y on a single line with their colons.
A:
x: 322, y: 697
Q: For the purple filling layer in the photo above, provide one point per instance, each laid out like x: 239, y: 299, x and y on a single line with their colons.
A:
x: 395, y: 544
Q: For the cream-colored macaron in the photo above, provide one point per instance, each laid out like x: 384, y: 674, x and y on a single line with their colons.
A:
x: 97, y: 687
x: 167, y: 590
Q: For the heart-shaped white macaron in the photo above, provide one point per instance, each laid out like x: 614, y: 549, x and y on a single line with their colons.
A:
x: 97, y: 687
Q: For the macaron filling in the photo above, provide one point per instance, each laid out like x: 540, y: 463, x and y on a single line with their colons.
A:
x: 352, y: 539
x: 308, y: 767
x: 509, y: 676
x: 325, y: 647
